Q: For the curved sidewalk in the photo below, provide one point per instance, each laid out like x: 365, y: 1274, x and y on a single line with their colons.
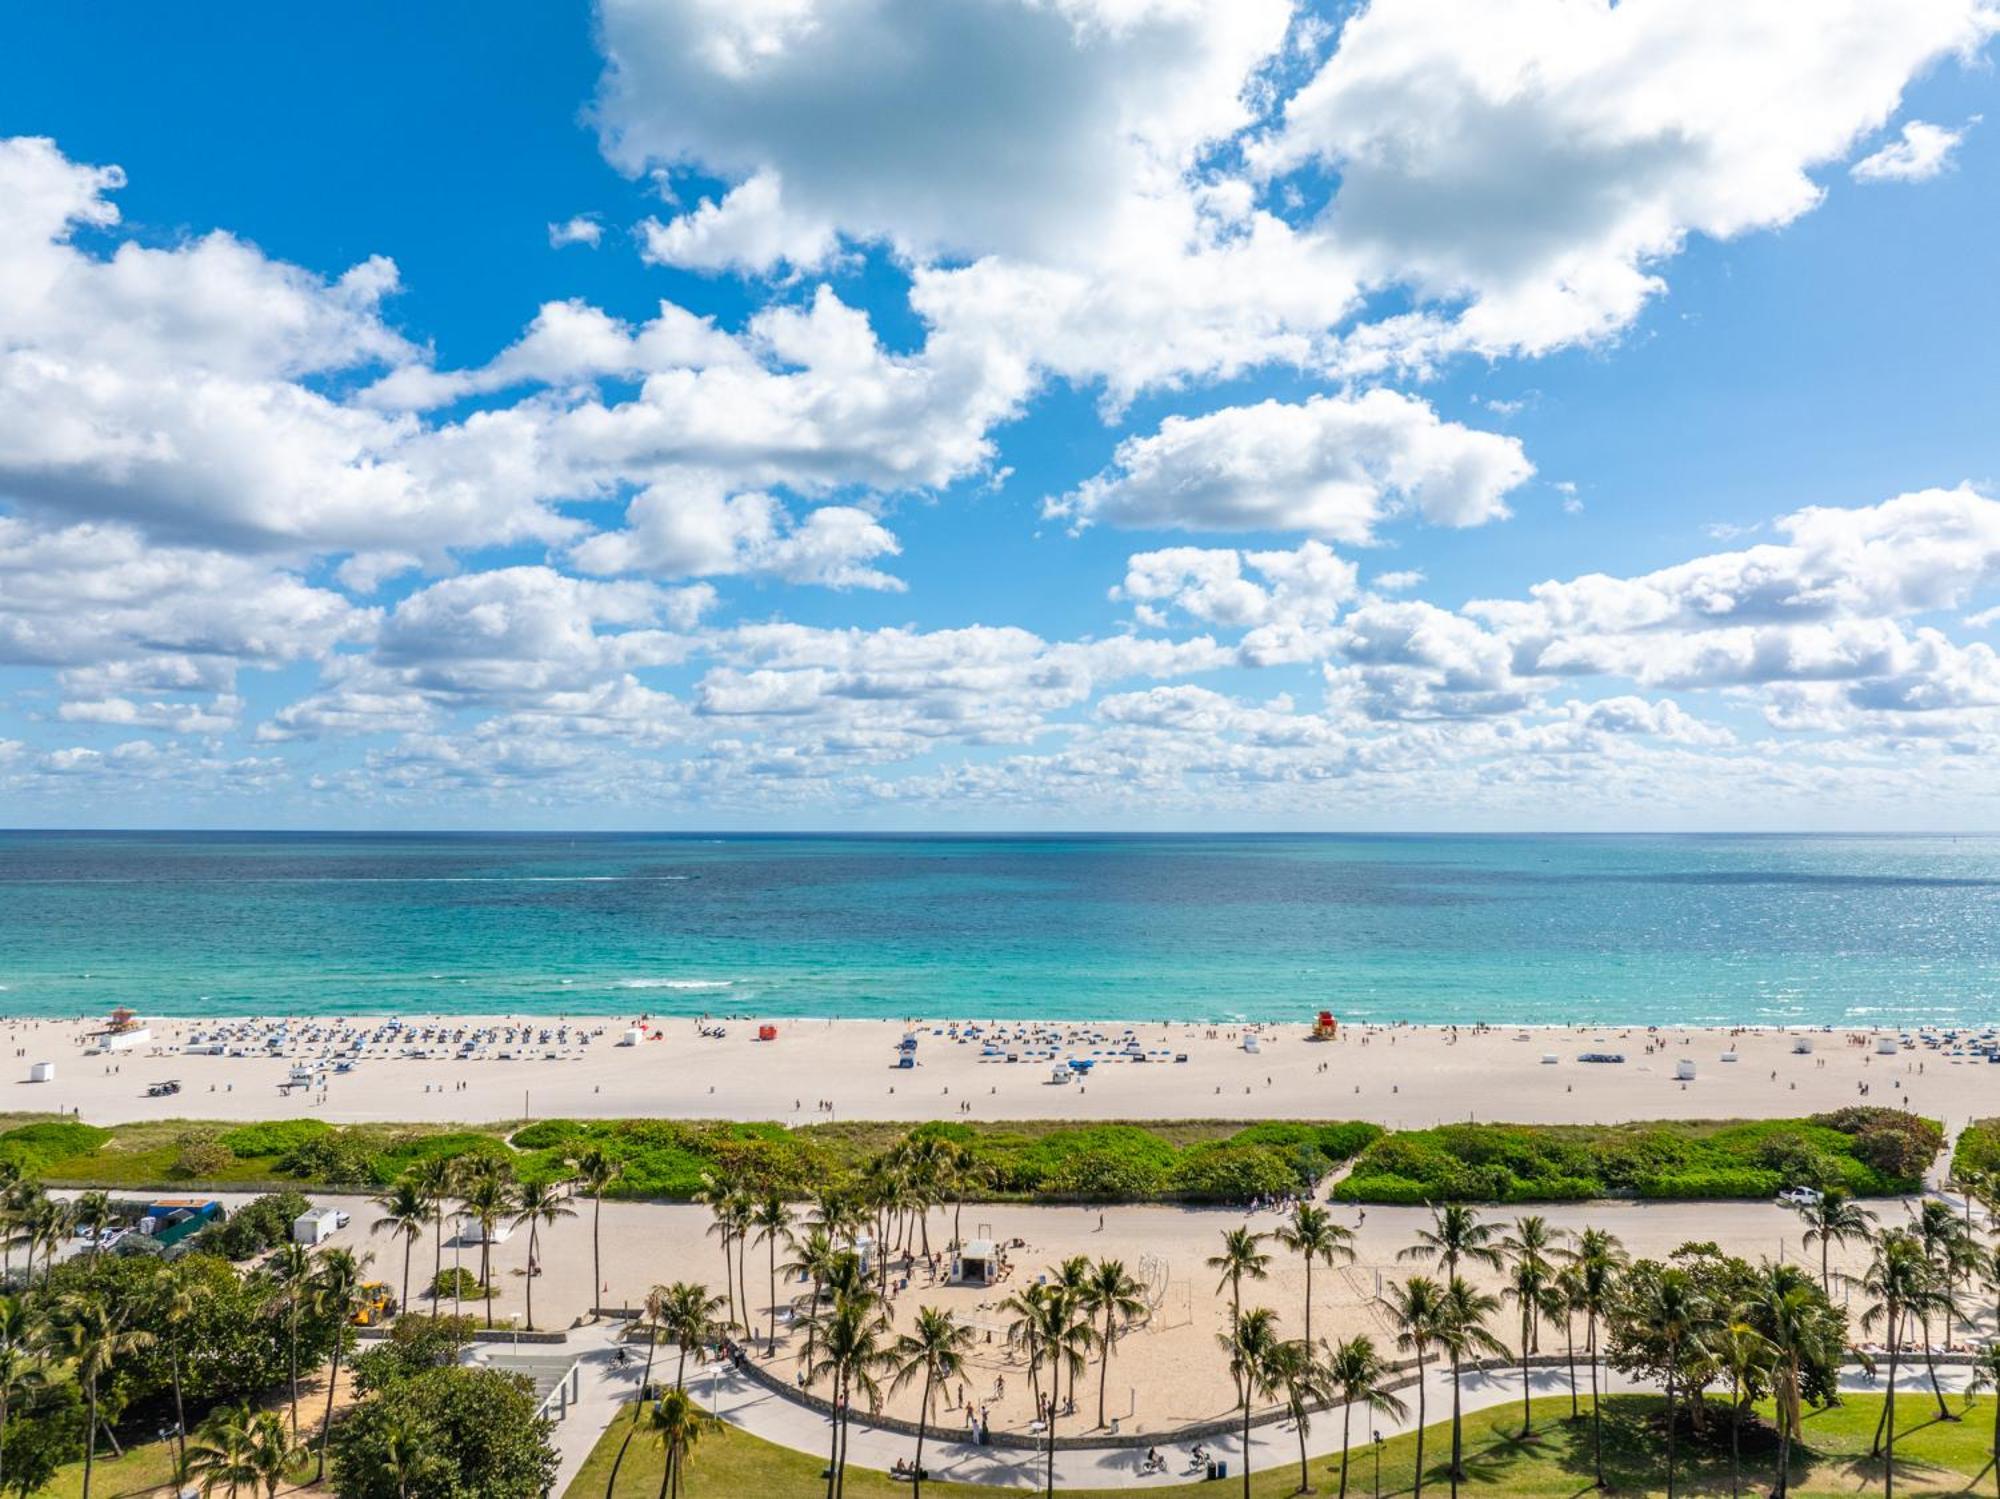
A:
x: 747, y: 1404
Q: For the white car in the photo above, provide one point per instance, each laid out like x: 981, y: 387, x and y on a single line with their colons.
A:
x: 341, y: 1220
x: 1801, y: 1197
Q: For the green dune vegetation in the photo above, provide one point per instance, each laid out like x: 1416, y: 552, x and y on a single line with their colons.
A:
x: 666, y: 1160
x: 1866, y: 1152
x: 1863, y: 1151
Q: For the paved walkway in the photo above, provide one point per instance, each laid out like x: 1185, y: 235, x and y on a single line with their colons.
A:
x: 743, y: 1402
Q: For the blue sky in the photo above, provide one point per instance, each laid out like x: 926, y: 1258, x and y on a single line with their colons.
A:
x: 1431, y: 414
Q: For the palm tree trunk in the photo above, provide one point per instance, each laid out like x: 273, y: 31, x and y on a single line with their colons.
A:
x: 923, y: 1419
x: 1346, y: 1420
x: 1930, y: 1364
x: 409, y: 1244
x: 180, y: 1411
x: 1784, y: 1441
x: 1596, y: 1415
x: 1527, y: 1412
x: 1673, y: 1356
x: 728, y: 1282
x: 534, y: 1229
x: 743, y: 1280
x: 1457, y: 1470
x: 1569, y: 1352
x: 1309, y: 1301
x: 1889, y: 1418
x: 618, y: 1461
x: 1420, y: 1425
x: 437, y: 1258
x: 295, y: 1371
x: 1735, y: 1433
x: 326, y: 1421
x: 833, y: 1454
x: 771, y: 1347
x: 596, y: 1255
x: 89, y: 1436
x: 486, y: 1268
x: 1246, y: 1438
x: 1055, y: 1394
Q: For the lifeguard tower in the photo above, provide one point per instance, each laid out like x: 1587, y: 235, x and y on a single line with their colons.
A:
x: 1325, y: 1028
x: 123, y: 1031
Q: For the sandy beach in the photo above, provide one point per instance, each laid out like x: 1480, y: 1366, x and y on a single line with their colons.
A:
x: 1402, y: 1077
x: 1165, y: 1372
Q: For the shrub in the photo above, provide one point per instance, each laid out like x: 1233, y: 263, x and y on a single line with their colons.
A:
x: 200, y: 1156
x: 1227, y: 1172
x: 415, y: 1343
x: 261, y: 1224
x: 455, y: 1283
x: 275, y: 1137
x: 34, y: 1147
x: 473, y: 1432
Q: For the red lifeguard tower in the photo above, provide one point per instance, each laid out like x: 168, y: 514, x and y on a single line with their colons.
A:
x: 1326, y: 1027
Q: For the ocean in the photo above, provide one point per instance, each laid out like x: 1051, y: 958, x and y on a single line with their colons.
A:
x: 1712, y: 930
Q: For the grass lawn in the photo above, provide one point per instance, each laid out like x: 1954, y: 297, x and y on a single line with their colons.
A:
x: 146, y: 1467
x: 1933, y: 1457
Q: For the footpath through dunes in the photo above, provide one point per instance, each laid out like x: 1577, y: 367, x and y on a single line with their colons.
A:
x: 1400, y: 1077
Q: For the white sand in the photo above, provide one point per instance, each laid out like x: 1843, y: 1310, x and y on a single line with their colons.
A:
x: 1164, y: 1374
x: 1406, y: 1077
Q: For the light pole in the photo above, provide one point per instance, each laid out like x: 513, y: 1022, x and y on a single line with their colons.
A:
x: 1378, y: 1464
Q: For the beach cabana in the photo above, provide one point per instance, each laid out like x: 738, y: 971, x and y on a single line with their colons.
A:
x: 41, y: 1072
x: 1684, y: 1071
x: 978, y: 1264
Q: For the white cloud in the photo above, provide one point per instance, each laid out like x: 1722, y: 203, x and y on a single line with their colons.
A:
x: 1333, y: 467
x: 1922, y: 151
x: 1537, y: 159
x: 695, y: 528
x: 582, y: 230
x: 749, y: 230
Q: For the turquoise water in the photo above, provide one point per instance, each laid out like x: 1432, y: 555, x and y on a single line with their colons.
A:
x: 1696, y: 930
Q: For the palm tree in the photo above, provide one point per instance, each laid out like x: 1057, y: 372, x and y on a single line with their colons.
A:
x: 1985, y: 1376
x: 813, y: 1258
x: 223, y: 1454
x: 22, y: 1367
x: 49, y: 1222
x: 1598, y: 1259
x: 1670, y: 1309
x: 1464, y: 1335
x: 92, y: 1338
x: 1456, y: 1236
x: 1954, y: 1255
x: 1251, y: 1344
x: 595, y: 1172
x: 1417, y: 1307
x: 685, y: 1312
x: 722, y: 1194
x: 486, y: 1196
x: 934, y: 1351
x: 1116, y: 1297
x: 1899, y: 1283
x: 173, y: 1299
x: 687, y: 1315
x: 1052, y: 1322
x: 435, y: 1179
x: 1301, y: 1381
x: 406, y: 1454
x: 850, y: 1354
x: 1741, y: 1350
x: 680, y: 1424
x: 537, y: 1203
x: 336, y: 1296
x: 1531, y: 1287
x: 240, y: 1448
x: 288, y: 1275
x: 1799, y: 1327
x: 1072, y: 1278
x: 405, y: 1213
x: 1312, y: 1234
x: 1358, y: 1372
x: 1836, y: 1218
x: 771, y: 1217
x: 1240, y: 1258
x: 1024, y: 1330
